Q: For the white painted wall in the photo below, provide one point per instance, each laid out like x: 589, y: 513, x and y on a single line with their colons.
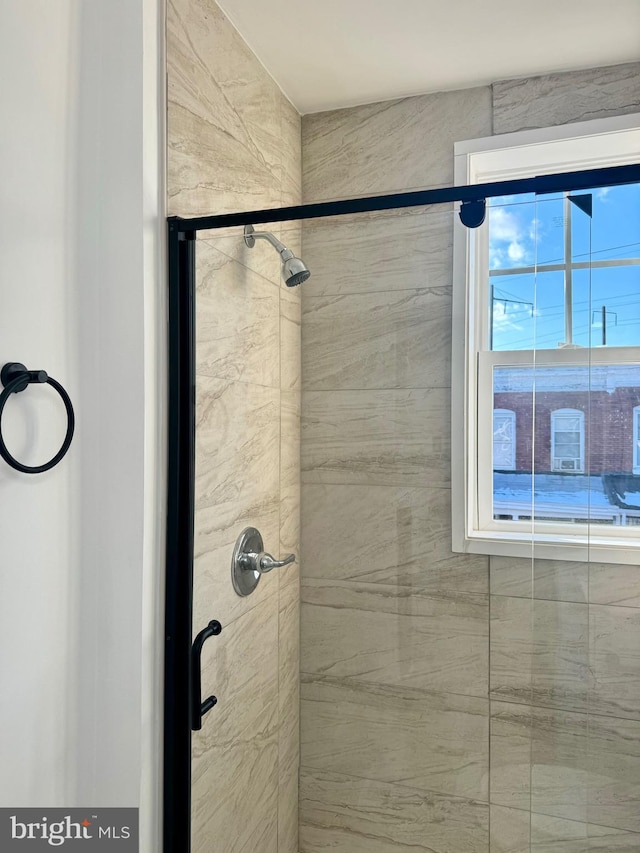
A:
x: 81, y: 296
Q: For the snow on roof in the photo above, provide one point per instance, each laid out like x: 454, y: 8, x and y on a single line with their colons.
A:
x: 586, y: 378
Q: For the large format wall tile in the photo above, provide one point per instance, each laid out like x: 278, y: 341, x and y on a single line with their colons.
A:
x: 235, y: 755
x: 376, y: 437
x: 375, y: 148
x: 581, y: 767
x: 614, y: 660
x: 237, y: 443
x: 510, y: 757
x: 609, y: 584
x: 554, y: 580
x: 237, y: 320
x: 555, y: 99
x: 566, y: 655
x: 368, y: 253
x: 556, y: 835
x: 388, y: 535
x: 237, y: 486
x: 430, y: 741
x: 395, y: 636
x: 216, y: 531
x: 377, y: 340
x: 540, y: 652
x: 614, y: 779
x: 224, y: 116
x: 519, y: 831
x: 340, y: 812
x: 510, y: 830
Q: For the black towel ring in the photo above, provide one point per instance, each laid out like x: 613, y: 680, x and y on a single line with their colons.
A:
x: 15, y: 377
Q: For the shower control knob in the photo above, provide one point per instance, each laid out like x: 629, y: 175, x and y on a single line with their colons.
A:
x: 250, y: 561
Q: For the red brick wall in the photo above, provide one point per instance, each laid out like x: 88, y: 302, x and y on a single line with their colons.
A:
x: 608, y: 419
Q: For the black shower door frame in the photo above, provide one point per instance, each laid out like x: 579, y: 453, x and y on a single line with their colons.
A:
x: 178, y: 677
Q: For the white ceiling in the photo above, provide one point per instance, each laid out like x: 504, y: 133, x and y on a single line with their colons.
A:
x: 335, y: 53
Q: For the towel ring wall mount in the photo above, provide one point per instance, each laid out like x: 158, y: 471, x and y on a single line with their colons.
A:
x: 16, y: 378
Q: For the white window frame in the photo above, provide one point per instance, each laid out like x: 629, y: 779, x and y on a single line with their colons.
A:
x: 557, y: 415
x: 636, y: 440
x: 585, y: 145
x: 509, y: 415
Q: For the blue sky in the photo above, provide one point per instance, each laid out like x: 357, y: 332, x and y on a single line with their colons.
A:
x: 529, y: 308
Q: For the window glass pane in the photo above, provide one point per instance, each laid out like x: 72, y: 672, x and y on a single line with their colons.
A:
x: 573, y: 467
x: 524, y: 231
x: 512, y: 233
x: 617, y: 291
x: 528, y: 311
x: 616, y: 222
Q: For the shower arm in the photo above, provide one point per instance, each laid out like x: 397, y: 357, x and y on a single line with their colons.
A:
x: 251, y: 236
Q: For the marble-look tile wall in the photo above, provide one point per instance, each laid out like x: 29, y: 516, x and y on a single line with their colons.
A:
x: 234, y: 144
x: 395, y: 627
x: 447, y: 705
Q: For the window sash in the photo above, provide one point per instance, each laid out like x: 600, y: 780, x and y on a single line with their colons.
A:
x: 481, y: 523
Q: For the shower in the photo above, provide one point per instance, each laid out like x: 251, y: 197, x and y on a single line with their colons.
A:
x: 294, y: 270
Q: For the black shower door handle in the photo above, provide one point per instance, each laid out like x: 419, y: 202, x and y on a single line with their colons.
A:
x: 198, y: 707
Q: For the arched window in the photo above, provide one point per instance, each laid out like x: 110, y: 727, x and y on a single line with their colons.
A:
x: 504, y: 440
x: 567, y: 441
x: 636, y: 440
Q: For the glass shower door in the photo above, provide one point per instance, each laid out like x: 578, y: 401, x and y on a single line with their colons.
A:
x: 244, y: 758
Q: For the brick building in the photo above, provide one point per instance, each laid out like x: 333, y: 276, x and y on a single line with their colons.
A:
x: 579, y: 420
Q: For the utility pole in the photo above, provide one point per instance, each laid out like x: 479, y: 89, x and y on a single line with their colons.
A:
x: 603, y: 321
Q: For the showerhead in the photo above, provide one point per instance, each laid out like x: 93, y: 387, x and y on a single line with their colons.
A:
x: 294, y: 270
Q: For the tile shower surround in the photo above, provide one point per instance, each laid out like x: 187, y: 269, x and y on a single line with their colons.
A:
x: 450, y: 703
x: 395, y: 724
x: 234, y: 144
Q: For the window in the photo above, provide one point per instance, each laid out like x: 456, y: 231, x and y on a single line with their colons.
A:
x: 567, y: 441
x: 547, y: 300
x: 504, y: 440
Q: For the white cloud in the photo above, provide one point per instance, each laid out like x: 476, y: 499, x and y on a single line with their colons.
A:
x: 516, y: 251
x: 510, y: 238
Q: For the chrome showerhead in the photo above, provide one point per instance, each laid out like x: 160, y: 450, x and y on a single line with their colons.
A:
x: 294, y: 270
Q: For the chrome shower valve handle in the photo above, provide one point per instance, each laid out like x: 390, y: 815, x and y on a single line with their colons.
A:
x: 264, y: 562
x: 250, y: 561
